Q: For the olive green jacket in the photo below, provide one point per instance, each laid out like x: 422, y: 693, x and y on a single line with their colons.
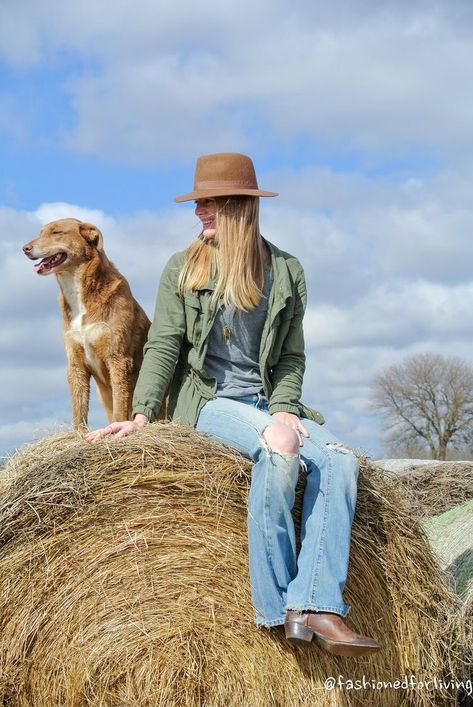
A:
x: 177, y: 344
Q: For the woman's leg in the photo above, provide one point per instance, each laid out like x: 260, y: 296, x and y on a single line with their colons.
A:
x: 315, y: 596
x: 329, y: 502
x: 271, y: 538
x: 327, y: 515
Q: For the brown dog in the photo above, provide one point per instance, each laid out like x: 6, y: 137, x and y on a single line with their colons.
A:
x: 105, y: 328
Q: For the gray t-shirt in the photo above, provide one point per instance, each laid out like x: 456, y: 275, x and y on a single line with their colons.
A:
x: 234, y: 344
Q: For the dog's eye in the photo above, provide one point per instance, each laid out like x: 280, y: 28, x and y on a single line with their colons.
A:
x: 56, y: 232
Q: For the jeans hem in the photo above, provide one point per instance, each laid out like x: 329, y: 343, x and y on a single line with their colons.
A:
x: 342, y: 611
x: 268, y: 624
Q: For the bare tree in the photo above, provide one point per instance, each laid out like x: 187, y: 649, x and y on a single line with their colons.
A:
x: 427, y: 399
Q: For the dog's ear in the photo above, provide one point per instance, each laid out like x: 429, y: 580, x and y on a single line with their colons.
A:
x: 92, y: 235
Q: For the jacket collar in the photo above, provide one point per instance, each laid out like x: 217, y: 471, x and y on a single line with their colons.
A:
x: 281, y: 279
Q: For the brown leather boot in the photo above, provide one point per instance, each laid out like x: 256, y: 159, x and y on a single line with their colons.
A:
x: 330, y: 632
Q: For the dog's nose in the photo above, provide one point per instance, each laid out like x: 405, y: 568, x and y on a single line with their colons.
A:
x: 27, y: 248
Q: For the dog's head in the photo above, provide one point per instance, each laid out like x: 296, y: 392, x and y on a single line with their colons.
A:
x: 63, y: 245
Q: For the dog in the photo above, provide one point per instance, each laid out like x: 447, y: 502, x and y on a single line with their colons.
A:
x: 105, y: 328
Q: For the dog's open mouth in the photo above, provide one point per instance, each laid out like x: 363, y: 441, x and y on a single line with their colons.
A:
x: 47, y: 264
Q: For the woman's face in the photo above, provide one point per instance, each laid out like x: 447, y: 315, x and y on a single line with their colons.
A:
x: 205, y: 210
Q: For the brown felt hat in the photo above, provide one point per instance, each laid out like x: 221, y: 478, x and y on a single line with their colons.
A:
x: 224, y: 174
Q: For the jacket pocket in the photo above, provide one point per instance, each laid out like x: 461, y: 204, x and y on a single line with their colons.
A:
x: 193, y: 313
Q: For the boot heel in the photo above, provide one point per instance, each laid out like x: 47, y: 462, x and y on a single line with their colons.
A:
x: 296, y: 633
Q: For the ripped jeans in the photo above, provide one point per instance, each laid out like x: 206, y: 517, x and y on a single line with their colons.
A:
x: 281, y: 580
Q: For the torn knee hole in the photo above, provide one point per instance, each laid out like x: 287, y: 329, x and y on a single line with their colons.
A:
x: 271, y: 450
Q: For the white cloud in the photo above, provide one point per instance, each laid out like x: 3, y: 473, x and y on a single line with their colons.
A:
x: 46, y: 213
x: 33, y: 336
x: 161, y: 80
x: 356, y: 231
x: 16, y: 433
x: 32, y: 382
x: 366, y: 87
x: 397, y: 314
x: 429, y: 238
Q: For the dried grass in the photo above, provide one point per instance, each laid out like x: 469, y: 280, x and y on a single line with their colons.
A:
x: 124, y: 583
x: 434, y: 488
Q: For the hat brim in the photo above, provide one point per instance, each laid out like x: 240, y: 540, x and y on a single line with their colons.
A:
x: 210, y: 193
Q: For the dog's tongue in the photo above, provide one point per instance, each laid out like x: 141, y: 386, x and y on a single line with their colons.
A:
x: 45, y: 264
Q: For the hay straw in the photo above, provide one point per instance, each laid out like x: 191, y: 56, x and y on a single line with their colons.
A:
x: 434, y: 488
x: 124, y: 583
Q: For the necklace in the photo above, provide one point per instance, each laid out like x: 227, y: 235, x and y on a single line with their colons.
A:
x: 228, y: 315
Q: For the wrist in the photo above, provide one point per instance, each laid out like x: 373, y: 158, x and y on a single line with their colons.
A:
x: 140, y: 420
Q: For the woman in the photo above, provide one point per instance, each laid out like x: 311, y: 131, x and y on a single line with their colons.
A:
x: 227, y: 345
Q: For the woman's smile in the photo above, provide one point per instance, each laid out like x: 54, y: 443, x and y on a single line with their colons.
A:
x: 205, y: 210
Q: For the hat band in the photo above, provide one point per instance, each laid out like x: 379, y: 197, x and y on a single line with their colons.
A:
x: 225, y: 184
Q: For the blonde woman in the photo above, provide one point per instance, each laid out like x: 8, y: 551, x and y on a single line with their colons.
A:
x: 227, y: 343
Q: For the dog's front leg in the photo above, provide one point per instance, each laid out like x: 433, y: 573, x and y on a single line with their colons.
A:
x: 79, y: 384
x: 121, y: 375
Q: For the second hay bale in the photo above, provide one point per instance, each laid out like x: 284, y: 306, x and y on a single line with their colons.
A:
x: 435, y: 487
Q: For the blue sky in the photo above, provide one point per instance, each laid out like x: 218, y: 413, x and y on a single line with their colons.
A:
x: 358, y: 114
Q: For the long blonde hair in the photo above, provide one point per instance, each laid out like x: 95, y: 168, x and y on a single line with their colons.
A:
x: 236, y: 256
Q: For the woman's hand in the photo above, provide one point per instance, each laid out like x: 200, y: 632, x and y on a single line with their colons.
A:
x: 118, y: 429
x: 291, y: 420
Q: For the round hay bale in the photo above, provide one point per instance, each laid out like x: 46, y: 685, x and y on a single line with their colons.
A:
x: 433, y: 487
x: 124, y: 583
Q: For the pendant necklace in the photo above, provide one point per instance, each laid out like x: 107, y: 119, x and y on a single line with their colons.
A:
x: 227, y: 320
